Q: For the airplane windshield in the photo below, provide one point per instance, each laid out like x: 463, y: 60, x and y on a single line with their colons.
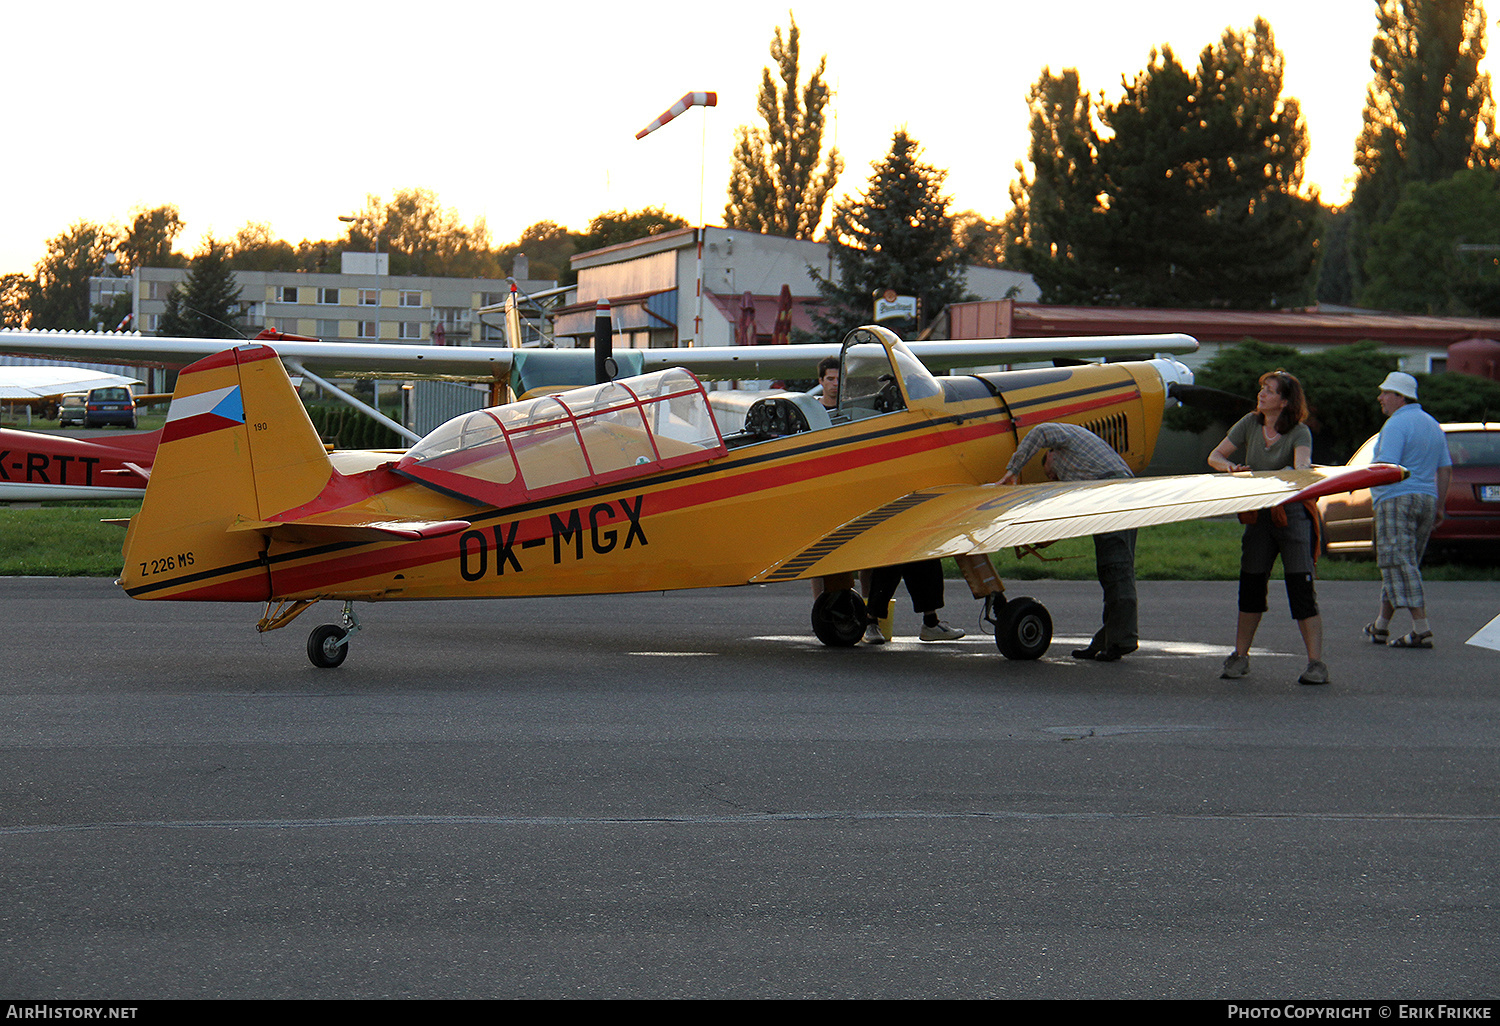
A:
x: 600, y: 434
x: 919, y: 382
x: 877, y: 370
x: 866, y: 372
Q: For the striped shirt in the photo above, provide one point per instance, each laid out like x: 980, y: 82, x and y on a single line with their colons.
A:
x: 1077, y: 453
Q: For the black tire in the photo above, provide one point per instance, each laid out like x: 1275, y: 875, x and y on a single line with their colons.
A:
x: 1023, y: 629
x: 838, y: 618
x: 326, y: 646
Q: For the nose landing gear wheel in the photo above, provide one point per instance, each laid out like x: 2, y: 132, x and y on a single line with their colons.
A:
x: 838, y: 618
x: 327, y: 646
x: 1023, y: 629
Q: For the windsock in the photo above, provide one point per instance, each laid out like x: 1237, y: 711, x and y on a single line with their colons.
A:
x: 688, y: 100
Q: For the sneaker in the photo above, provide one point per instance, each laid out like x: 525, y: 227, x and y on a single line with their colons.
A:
x: 940, y: 632
x: 1235, y: 667
x: 1316, y: 673
x: 873, y: 635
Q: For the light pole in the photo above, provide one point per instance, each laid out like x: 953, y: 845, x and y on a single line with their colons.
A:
x: 375, y: 385
x: 351, y: 219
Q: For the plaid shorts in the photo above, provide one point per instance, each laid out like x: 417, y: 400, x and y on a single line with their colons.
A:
x: 1402, y: 526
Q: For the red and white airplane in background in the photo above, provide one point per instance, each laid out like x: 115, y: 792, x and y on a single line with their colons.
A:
x: 36, y: 466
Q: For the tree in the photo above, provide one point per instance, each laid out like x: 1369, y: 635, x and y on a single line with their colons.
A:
x: 1341, y: 384
x: 113, y: 313
x: 148, y: 241
x: 255, y: 248
x: 1414, y: 261
x: 1258, y: 247
x: 1335, y: 276
x: 1428, y: 111
x: 60, y: 288
x: 898, y: 235
x: 1046, y: 230
x: 422, y: 237
x: 774, y: 184
x: 15, y: 300
x: 980, y: 240
x: 615, y: 226
x: 1186, y: 192
x: 548, y: 247
x: 207, y: 304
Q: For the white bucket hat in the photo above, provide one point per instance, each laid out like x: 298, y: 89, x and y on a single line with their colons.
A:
x: 1401, y: 384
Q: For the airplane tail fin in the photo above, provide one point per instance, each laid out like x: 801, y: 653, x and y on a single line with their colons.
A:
x: 237, y: 447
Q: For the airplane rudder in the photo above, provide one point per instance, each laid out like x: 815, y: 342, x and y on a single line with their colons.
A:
x: 288, y: 460
x: 202, y: 482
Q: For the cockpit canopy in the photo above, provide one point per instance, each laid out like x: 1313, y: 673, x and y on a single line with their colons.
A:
x: 556, y: 443
x: 866, y: 382
x: 603, y: 434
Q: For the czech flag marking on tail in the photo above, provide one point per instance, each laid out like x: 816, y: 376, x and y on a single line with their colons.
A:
x: 207, y: 411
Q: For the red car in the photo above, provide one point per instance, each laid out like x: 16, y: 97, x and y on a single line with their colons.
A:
x: 1472, y: 508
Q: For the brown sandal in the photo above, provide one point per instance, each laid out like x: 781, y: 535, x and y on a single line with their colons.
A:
x: 1413, y: 640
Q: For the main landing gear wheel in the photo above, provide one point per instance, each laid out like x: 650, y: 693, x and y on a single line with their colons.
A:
x: 327, y: 646
x: 1023, y: 629
x: 838, y: 618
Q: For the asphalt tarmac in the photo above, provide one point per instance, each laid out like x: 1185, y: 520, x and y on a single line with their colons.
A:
x: 684, y: 795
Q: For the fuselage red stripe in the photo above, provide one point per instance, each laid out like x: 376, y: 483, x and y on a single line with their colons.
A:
x: 725, y: 484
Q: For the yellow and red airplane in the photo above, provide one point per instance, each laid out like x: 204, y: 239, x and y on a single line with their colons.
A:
x: 650, y: 483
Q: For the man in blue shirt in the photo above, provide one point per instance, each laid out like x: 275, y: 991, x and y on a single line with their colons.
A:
x: 1407, y: 511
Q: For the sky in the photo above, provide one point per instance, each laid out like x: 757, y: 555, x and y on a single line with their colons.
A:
x: 291, y: 113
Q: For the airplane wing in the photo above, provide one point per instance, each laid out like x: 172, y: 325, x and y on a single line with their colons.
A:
x: 339, y: 358
x: 799, y: 360
x: 970, y: 519
x: 374, y: 359
x: 40, y: 382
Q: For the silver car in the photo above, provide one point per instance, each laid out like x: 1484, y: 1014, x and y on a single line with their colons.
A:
x: 72, y: 408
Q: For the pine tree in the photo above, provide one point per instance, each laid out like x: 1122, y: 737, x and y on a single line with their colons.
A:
x: 774, y: 184
x: 1188, y: 197
x: 1051, y: 211
x: 899, y: 235
x: 207, y: 304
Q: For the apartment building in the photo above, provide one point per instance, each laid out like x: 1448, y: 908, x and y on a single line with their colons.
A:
x: 362, y: 303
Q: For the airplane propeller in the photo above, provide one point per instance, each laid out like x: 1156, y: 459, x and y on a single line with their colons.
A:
x: 1226, y: 405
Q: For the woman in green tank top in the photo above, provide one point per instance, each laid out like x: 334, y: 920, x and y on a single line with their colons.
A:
x: 1274, y: 437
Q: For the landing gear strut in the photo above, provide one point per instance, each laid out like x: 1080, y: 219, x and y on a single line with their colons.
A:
x: 1022, y: 626
x: 328, y: 645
